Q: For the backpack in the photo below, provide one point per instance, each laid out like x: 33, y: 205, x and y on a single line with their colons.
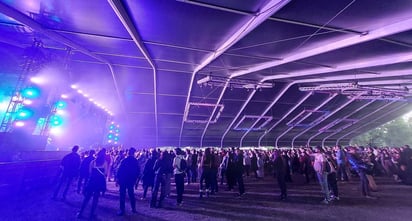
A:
x: 183, y: 165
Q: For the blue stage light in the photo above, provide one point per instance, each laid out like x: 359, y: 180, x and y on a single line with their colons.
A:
x: 30, y: 92
x: 24, y: 113
x: 61, y: 104
x: 56, y: 120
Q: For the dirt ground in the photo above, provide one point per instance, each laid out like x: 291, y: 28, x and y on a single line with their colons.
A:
x: 261, y: 202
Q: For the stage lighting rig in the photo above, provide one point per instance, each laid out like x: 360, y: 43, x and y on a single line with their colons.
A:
x: 216, y: 81
x: 330, y: 87
x: 361, y: 92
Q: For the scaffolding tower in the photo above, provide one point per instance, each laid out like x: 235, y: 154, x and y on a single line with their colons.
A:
x: 34, y: 60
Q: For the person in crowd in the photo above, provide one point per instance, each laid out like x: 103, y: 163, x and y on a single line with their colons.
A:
x: 305, y: 164
x: 70, y: 168
x: 223, y: 166
x: 295, y: 162
x: 341, y: 162
x: 254, y: 164
x: 246, y: 163
x: 194, y: 166
x: 188, y: 159
x: 280, y: 170
x: 231, y: 170
x: 238, y: 171
x: 180, y: 167
x: 84, y: 171
x: 109, y: 160
x: 214, y: 168
x: 331, y: 175
x: 169, y: 171
x: 160, y: 168
x: 148, y: 176
x: 260, y: 167
x: 205, y: 177
x: 127, y: 175
x: 288, y: 166
x: 142, y: 159
x: 319, y: 166
x: 116, y: 163
x: 360, y: 167
x: 96, y: 183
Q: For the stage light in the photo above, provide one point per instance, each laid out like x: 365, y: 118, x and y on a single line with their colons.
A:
x: 73, y: 86
x: 19, y: 124
x: 110, y: 136
x: 64, y: 96
x: 56, y: 120
x: 27, y: 102
x: 24, y: 113
x: 60, y: 112
x: 31, y: 92
x: 91, y: 100
x: 61, y: 104
x: 116, y: 138
x: 37, y: 80
x: 80, y: 91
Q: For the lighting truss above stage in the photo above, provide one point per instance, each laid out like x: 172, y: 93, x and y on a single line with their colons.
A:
x: 361, y: 92
x: 330, y: 87
x: 215, y: 81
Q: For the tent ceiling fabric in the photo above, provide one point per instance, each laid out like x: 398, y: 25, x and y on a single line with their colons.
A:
x: 147, y: 69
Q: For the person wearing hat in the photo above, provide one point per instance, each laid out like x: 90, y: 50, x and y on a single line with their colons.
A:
x: 127, y: 175
x: 179, y: 173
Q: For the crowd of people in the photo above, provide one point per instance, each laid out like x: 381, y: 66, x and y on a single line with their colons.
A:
x: 214, y: 168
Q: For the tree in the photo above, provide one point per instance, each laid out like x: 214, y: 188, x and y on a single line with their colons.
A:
x: 397, y: 132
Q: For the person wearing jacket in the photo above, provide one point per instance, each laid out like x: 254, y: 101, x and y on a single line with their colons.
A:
x: 70, y: 168
x: 127, y: 175
x: 160, y: 168
x: 360, y: 167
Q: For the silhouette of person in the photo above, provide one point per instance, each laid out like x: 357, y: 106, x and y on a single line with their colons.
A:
x: 70, y: 168
x: 96, y: 183
x: 127, y: 175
